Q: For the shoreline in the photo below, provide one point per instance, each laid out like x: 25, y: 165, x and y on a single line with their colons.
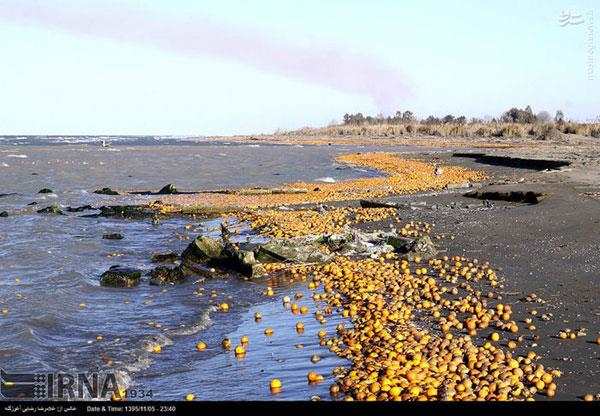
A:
x: 531, y: 341
x: 481, y: 229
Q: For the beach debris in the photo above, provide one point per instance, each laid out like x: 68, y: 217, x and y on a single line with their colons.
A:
x: 169, y: 257
x: 112, y: 236
x: 45, y: 191
x: 310, y: 222
x: 106, y: 191
x: 166, y: 275
x: 568, y: 333
x: 120, y: 276
x: 402, y: 176
x: 382, y: 299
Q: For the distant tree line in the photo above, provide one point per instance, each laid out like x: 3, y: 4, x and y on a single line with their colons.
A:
x: 514, y: 115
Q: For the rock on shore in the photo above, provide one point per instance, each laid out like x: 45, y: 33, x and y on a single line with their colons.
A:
x: 120, y: 276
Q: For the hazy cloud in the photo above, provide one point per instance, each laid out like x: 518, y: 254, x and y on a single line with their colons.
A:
x: 327, y: 65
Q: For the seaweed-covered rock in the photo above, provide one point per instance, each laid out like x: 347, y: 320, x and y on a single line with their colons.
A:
x: 3, y: 214
x: 164, y: 257
x: 106, y: 191
x: 166, y: 275
x: 202, y: 250
x: 52, y: 209
x: 120, y: 276
x: 45, y: 191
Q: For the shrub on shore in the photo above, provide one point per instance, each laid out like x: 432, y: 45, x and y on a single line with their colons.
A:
x: 514, y: 123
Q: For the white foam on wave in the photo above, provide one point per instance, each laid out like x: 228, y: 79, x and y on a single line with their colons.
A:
x: 203, y: 323
x: 327, y: 179
x: 254, y: 145
x: 5, y: 165
x: 18, y: 156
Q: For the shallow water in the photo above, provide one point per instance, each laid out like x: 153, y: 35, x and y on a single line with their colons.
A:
x: 50, y: 266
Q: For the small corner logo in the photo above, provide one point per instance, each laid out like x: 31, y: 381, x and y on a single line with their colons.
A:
x: 570, y: 18
x: 61, y: 386
x: 24, y: 386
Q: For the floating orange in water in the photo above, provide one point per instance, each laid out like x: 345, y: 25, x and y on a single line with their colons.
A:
x: 275, y: 385
x: 240, y: 351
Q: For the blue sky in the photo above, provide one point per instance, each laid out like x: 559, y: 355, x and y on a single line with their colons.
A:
x: 238, y: 67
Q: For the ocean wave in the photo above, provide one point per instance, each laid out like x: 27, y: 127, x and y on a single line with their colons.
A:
x: 104, y: 141
x: 203, y: 323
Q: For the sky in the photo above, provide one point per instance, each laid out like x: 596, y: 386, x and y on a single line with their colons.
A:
x: 189, y: 67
